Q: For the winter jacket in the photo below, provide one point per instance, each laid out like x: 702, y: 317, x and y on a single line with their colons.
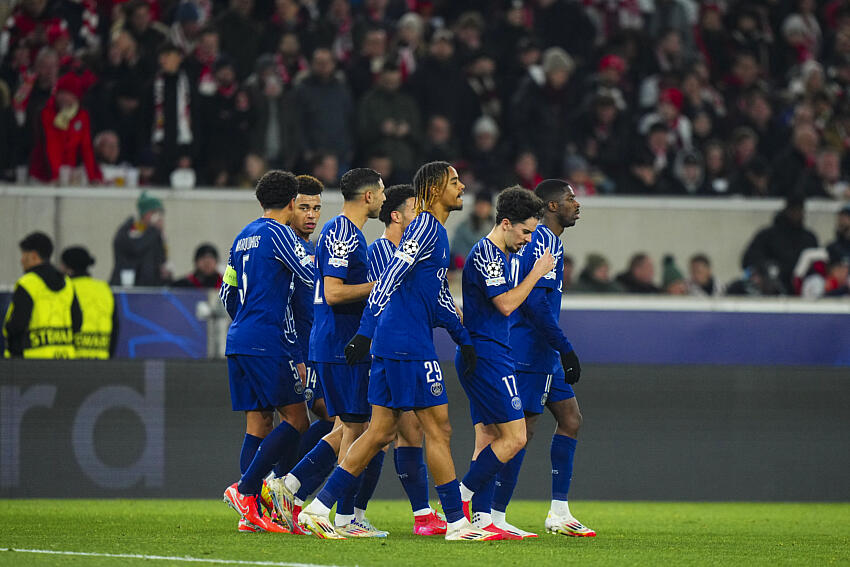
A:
x: 780, y: 243
x: 56, y: 147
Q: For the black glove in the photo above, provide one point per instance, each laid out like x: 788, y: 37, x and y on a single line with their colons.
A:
x: 572, y: 367
x: 467, y: 352
x: 357, y: 349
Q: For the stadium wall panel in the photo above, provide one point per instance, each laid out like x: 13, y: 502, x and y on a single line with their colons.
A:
x: 159, y: 428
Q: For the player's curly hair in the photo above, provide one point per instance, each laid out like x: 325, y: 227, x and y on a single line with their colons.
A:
x: 309, y: 185
x: 396, y: 196
x: 429, y: 183
x: 276, y: 189
x: 518, y: 204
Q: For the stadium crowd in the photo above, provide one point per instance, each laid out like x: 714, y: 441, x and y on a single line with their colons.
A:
x: 672, y: 97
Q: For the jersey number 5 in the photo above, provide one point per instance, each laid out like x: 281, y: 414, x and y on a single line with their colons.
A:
x: 244, y: 290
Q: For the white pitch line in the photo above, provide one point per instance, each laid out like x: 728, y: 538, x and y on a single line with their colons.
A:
x: 164, y: 558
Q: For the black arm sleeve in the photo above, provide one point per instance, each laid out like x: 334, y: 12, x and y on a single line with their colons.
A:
x: 17, y: 325
x: 76, y: 316
x: 113, y: 340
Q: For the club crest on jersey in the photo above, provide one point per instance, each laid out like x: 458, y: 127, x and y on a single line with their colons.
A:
x: 299, y: 387
x: 543, y: 399
x: 407, y: 251
x: 516, y: 403
x: 308, y: 394
x: 436, y: 389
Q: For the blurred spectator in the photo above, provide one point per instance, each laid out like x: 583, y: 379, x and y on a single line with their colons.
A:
x: 525, y: 170
x: 253, y: 168
x: 439, y: 142
x: 107, y: 152
x: 643, y: 178
x: 541, y: 111
x: 325, y: 168
x: 481, y: 78
x: 206, y: 274
x: 840, y: 247
x: 65, y: 137
x: 716, y: 169
x: 689, y: 173
x: 759, y: 280
x: 388, y: 122
x: 782, y: 242
x: 240, y: 35
x: 792, y: 164
x: 661, y: 147
x: 441, y: 88
x: 830, y: 278
x: 672, y: 280
x: 759, y: 114
x: 288, y: 18
x: 200, y: 62
x: 476, y: 226
x: 578, y: 174
x: 33, y: 92
x: 751, y: 180
x: 487, y: 157
x: 25, y: 32
x: 98, y: 336
x: 172, y: 132
x: 7, y: 133
x: 639, y: 275
x: 275, y: 135
x: 43, y: 301
x: 826, y: 179
x: 139, y: 247
x: 185, y: 31
x: 409, y: 43
x: 600, y: 134
x: 566, y: 25
x: 668, y: 112
x: 595, y: 276
x: 365, y: 69
x: 383, y: 164
x: 701, y: 281
x: 289, y: 62
x: 148, y: 33
x: 326, y: 110
x: 226, y: 119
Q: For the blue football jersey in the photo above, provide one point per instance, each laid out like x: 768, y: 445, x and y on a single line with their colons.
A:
x: 412, y: 296
x: 302, y: 305
x: 257, y: 288
x: 532, y: 350
x: 380, y: 253
x: 340, y: 253
x: 485, y: 275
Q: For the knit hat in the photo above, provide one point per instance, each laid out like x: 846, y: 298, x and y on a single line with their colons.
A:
x: 187, y: 12
x: 612, y: 62
x: 485, y: 125
x: 77, y: 258
x: 556, y: 58
x: 71, y: 83
x: 673, y: 96
x: 671, y: 272
x: 593, y: 261
x: 205, y: 249
x: 148, y: 203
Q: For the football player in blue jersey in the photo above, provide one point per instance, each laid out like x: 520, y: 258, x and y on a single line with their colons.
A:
x: 546, y: 363
x: 492, y: 389
x: 308, y: 210
x: 409, y: 299
x: 397, y: 213
x: 341, y: 288
x: 262, y: 344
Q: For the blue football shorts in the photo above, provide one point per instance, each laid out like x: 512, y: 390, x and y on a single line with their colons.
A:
x: 345, y: 389
x: 492, y: 389
x: 536, y: 389
x: 406, y: 384
x: 313, y: 391
x: 263, y: 382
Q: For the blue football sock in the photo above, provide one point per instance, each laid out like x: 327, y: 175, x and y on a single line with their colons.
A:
x: 314, y: 468
x: 284, y: 465
x: 506, y: 482
x: 249, y: 449
x: 449, y: 494
x: 482, y: 499
x: 282, y: 439
x: 309, y: 438
x: 369, y: 481
x: 562, y: 451
x: 413, y: 474
x: 485, y: 466
x: 345, y: 503
x: 340, y: 484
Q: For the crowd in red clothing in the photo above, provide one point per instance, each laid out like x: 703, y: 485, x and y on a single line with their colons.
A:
x: 669, y: 97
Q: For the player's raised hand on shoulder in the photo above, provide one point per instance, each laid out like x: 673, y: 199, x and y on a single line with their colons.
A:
x: 544, y: 263
x: 357, y: 349
x: 572, y: 367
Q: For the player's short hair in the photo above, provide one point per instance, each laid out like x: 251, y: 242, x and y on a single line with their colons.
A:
x: 434, y: 174
x: 356, y: 181
x: 276, y: 189
x: 551, y: 190
x: 309, y: 185
x: 517, y: 205
x: 37, y: 242
x: 395, y: 199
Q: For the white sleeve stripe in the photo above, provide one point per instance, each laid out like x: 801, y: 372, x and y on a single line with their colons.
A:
x: 286, y: 254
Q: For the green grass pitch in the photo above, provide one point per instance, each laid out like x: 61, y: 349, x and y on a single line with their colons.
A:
x: 630, y: 533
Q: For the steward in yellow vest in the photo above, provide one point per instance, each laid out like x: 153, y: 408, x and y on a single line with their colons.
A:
x: 98, y: 335
x: 44, y: 314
